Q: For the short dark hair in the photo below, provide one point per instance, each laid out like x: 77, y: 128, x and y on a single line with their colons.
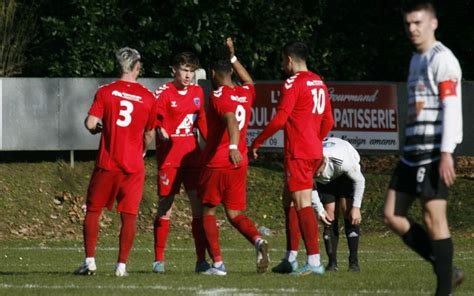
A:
x: 185, y: 58
x: 416, y: 5
x: 296, y: 49
x: 220, y: 61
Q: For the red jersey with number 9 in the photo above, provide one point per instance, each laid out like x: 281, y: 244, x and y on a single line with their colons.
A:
x: 238, y: 100
x: 126, y: 109
x: 305, y: 98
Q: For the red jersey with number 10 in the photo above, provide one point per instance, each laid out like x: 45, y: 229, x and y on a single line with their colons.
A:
x: 305, y: 98
x: 181, y: 114
x: 238, y: 100
x: 126, y: 110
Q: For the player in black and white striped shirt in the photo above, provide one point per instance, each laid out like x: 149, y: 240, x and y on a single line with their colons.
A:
x: 434, y: 128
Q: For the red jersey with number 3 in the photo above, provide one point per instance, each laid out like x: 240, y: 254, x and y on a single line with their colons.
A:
x: 181, y: 114
x: 305, y: 98
x: 126, y: 110
x: 237, y: 100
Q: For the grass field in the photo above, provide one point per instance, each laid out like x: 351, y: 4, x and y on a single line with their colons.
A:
x: 44, y: 267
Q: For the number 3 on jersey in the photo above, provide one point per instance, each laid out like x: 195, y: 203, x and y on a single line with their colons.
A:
x: 125, y: 113
x: 319, y: 99
x: 240, y: 116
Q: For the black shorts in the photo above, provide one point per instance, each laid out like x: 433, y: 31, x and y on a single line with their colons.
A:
x: 423, y: 181
x: 341, y: 187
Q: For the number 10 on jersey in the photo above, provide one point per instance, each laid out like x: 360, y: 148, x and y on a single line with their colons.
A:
x: 319, y: 100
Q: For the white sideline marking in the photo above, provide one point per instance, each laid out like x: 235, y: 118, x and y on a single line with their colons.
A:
x: 43, y: 248
x: 200, y: 291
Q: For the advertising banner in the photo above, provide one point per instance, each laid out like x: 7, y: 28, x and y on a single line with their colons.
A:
x: 365, y: 114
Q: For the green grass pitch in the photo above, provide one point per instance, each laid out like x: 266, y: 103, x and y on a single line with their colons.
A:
x: 35, y: 267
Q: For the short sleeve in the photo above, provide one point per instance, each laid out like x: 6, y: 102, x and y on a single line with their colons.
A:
x: 97, y: 107
x: 288, y: 96
x: 152, y: 117
x: 446, y: 67
x: 160, y: 108
x: 222, y: 102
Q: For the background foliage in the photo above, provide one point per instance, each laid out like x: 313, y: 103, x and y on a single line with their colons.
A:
x: 349, y: 39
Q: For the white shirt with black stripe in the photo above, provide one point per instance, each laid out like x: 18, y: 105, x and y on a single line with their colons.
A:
x: 424, y: 128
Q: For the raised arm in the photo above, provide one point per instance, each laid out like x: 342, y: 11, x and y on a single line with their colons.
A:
x: 239, y: 69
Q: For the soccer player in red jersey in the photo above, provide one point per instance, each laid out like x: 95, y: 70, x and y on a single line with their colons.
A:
x: 225, y: 158
x: 123, y: 111
x: 180, y: 113
x: 305, y: 113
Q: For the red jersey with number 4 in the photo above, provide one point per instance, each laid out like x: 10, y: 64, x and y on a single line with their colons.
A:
x: 305, y: 98
x: 126, y: 110
x: 181, y: 114
x: 237, y: 100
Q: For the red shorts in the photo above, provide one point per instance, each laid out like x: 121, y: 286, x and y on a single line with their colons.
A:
x: 107, y: 186
x: 299, y: 173
x: 224, y: 186
x: 170, y: 180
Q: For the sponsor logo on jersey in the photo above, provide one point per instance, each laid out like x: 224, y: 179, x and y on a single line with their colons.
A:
x: 173, y: 104
x: 197, y: 102
x: 185, y: 128
x: 239, y: 99
x: 127, y: 96
x: 314, y: 83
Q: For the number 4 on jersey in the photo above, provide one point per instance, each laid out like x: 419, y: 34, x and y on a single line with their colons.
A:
x: 319, y: 99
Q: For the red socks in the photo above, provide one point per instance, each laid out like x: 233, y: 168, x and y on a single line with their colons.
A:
x: 212, y: 236
x: 246, y: 227
x: 127, y: 234
x: 162, y: 229
x: 91, y: 232
x: 292, y: 228
x: 309, y: 230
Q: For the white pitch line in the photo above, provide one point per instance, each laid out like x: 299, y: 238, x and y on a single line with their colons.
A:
x: 42, y: 248
x: 213, y: 291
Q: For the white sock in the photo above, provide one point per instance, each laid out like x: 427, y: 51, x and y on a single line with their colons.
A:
x: 90, y: 260
x: 121, y: 266
x: 218, y: 264
x: 314, y: 260
x: 291, y: 255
